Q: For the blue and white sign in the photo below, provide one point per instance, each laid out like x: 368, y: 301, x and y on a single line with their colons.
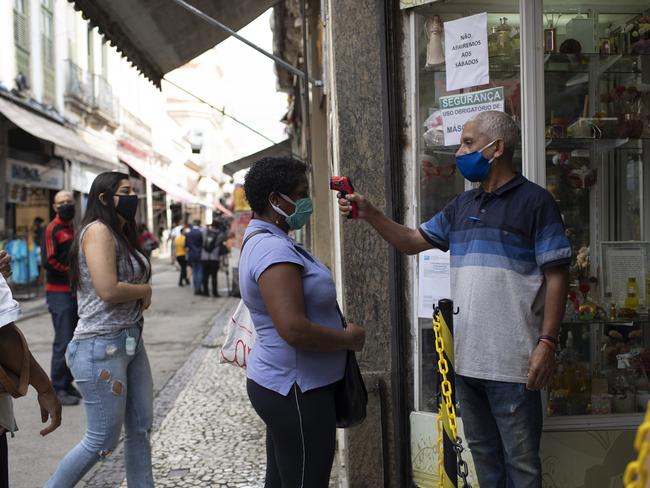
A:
x: 458, y: 109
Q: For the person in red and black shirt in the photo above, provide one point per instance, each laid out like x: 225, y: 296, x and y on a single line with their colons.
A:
x: 61, y: 301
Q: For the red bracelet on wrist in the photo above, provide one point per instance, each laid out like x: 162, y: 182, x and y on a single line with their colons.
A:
x: 548, y: 342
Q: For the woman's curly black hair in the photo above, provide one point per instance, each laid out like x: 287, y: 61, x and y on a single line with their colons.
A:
x: 269, y: 175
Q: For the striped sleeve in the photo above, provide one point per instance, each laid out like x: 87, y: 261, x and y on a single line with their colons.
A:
x: 436, y: 231
x: 552, y: 247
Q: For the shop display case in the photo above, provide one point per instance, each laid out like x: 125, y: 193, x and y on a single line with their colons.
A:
x: 597, y: 137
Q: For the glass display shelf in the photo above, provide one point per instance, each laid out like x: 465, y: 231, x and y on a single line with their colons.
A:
x: 584, y: 63
x: 599, y: 145
x: 601, y: 379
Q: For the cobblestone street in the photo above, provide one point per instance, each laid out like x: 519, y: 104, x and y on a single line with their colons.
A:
x: 206, y: 434
x: 211, y: 437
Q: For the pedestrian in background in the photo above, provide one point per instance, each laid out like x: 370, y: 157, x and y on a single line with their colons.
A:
x: 176, y: 231
x: 38, y: 231
x: 300, y: 352
x: 61, y: 299
x: 212, y: 239
x: 181, y: 256
x: 146, y: 240
x: 107, y: 354
x: 194, y: 250
x: 509, y: 280
x: 38, y: 236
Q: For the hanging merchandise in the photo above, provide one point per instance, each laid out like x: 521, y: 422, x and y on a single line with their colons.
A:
x: 504, y: 47
x: 550, y: 33
x: 431, y: 168
x: 433, y: 31
x: 434, y: 135
x: 25, y: 261
x: 581, y: 178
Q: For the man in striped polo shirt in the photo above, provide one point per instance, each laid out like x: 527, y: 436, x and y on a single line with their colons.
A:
x: 509, y: 278
x: 61, y: 300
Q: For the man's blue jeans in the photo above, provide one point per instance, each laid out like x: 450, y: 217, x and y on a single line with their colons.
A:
x: 117, y: 390
x: 503, y: 427
x: 63, y: 308
x: 197, y: 275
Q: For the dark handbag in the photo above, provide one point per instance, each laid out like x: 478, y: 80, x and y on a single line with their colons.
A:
x: 350, y: 394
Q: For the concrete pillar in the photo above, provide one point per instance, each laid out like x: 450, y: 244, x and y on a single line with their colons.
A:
x: 358, y: 135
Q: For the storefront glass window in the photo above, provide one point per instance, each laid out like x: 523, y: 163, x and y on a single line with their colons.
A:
x: 438, y: 180
x: 597, y: 73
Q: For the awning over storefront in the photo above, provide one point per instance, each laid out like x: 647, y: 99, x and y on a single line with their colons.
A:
x: 159, y: 179
x: 158, y: 36
x: 67, y: 143
x: 280, y: 149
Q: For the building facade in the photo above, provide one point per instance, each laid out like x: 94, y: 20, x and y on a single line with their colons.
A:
x: 72, y: 107
x: 575, y: 79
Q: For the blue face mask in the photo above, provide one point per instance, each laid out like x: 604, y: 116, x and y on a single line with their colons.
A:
x: 303, y: 210
x: 474, y: 166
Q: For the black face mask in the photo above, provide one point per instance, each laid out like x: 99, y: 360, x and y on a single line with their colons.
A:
x: 66, y: 212
x: 127, y: 206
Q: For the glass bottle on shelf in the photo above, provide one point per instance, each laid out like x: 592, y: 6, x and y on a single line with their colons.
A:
x: 624, y: 391
x: 632, y: 294
x: 570, y: 389
x: 612, y: 306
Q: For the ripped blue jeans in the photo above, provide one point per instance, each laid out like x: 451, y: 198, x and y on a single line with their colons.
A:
x: 503, y: 427
x: 117, y: 390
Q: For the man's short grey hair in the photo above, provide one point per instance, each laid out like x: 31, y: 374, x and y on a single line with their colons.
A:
x: 498, y: 125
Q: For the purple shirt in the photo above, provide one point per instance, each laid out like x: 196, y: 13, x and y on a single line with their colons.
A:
x: 273, y: 363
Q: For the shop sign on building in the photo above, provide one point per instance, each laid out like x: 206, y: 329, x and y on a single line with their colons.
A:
x: 466, y: 52
x: 81, y: 178
x: 35, y: 175
x: 458, y: 109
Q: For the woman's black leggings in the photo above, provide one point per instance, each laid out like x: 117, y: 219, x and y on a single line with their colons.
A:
x: 4, y: 468
x: 300, y: 435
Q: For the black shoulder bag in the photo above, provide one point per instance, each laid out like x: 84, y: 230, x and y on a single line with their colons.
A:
x: 350, y: 396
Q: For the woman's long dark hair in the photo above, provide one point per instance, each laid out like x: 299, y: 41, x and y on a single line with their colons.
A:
x: 125, y: 235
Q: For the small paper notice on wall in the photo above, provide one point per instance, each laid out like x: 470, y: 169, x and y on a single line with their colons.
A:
x: 466, y: 52
x: 434, y: 280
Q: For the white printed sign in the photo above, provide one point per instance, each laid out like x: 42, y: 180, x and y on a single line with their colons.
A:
x: 466, y: 52
x: 434, y: 280
x: 458, y: 109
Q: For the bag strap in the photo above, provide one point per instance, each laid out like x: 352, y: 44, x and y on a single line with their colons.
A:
x: 301, y: 251
x: 9, y: 384
x: 253, y: 234
x: 343, y: 321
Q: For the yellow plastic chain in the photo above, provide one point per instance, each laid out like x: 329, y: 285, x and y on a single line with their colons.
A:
x: 636, y: 472
x: 443, y: 367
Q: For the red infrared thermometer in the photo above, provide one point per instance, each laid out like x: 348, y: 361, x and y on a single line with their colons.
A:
x: 343, y: 185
